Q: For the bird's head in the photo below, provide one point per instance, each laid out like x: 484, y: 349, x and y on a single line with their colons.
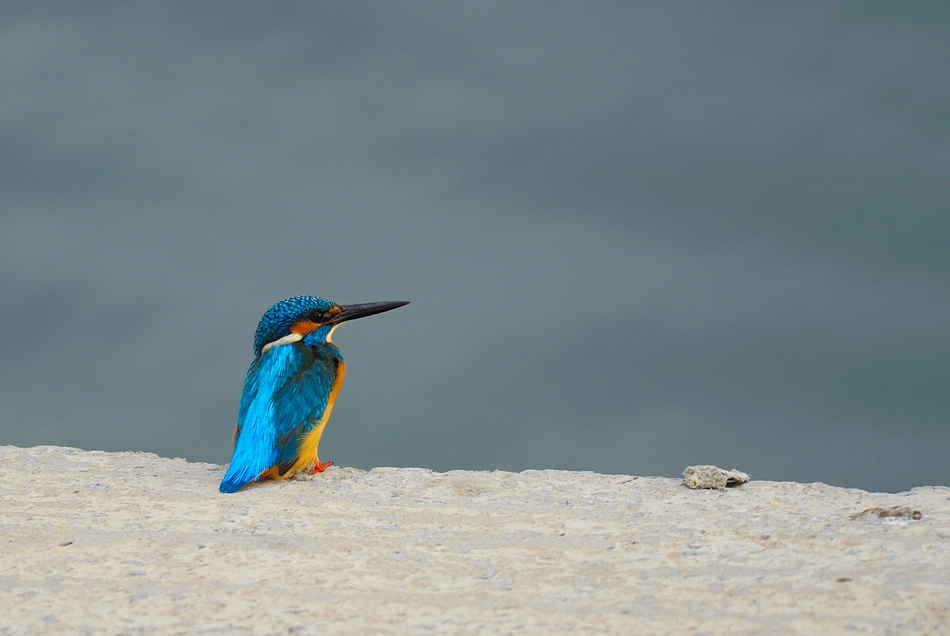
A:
x: 311, y: 319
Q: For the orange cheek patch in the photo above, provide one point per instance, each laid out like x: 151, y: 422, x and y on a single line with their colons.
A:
x: 304, y: 327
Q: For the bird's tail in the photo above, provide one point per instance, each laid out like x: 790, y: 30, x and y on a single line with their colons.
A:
x: 234, y: 481
x: 247, y: 463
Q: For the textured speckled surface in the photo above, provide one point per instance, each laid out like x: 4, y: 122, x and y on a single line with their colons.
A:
x: 112, y: 543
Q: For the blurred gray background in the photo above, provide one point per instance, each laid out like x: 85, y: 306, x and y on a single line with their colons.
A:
x: 636, y: 236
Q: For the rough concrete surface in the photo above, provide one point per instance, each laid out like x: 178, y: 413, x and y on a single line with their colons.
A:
x: 707, y: 476
x: 131, y: 543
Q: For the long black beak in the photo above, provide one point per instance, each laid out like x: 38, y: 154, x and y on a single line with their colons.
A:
x: 352, y: 312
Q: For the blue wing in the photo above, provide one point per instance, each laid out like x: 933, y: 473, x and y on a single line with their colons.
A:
x: 285, y: 392
x: 300, y: 404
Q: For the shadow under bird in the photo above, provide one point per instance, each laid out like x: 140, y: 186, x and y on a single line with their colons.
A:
x: 290, y: 389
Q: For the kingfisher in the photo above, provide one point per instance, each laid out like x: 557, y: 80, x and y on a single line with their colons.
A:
x: 290, y: 389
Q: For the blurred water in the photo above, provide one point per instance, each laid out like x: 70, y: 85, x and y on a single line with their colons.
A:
x: 635, y: 237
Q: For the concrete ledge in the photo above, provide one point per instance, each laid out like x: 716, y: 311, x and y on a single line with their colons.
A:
x: 107, y: 543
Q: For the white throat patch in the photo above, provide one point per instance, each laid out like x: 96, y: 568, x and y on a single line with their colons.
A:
x: 289, y: 338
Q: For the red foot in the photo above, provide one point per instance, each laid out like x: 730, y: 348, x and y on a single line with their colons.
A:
x: 319, y: 468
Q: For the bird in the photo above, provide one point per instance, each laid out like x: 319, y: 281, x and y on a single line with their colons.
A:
x: 290, y: 389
